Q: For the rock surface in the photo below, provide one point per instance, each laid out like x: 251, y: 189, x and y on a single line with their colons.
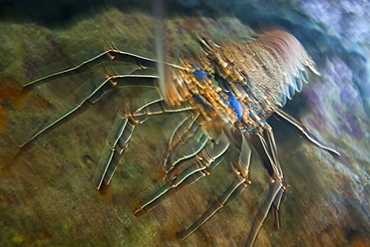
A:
x: 46, y: 194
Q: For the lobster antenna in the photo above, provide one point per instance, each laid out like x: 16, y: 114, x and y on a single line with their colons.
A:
x: 159, y: 43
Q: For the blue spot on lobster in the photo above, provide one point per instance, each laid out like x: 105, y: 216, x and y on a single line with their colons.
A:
x: 236, y: 105
x: 201, y: 75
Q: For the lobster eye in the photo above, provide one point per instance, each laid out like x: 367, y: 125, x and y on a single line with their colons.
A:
x: 201, y: 75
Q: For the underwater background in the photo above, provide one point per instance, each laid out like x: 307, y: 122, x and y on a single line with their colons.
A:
x: 46, y: 192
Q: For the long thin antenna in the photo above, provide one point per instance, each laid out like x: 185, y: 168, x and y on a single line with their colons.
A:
x: 158, y: 10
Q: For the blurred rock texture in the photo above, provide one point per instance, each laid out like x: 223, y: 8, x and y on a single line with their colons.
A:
x: 46, y: 192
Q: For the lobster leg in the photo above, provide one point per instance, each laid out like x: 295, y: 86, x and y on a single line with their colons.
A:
x: 191, y: 148
x: 272, y: 200
x: 277, y: 184
x: 239, y: 184
x: 202, y: 166
x: 279, y: 177
x: 120, y: 134
x: 112, y: 54
x: 182, y: 133
x: 139, y: 71
x: 188, y: 141
x: 77, y: 102
x: 305, y: 131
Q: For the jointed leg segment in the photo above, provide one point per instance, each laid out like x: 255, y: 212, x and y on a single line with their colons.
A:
x: 120, y: 134
x: 89, y: 93
x: 240, y: 182
x: 200, y: 165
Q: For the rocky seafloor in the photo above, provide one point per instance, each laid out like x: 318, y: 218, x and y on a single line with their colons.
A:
x: 46, y: 194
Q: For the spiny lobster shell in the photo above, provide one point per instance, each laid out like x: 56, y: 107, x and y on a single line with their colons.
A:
x: 260, y: 73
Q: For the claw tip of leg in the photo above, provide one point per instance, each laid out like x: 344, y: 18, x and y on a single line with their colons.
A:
x: 139, y: 212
